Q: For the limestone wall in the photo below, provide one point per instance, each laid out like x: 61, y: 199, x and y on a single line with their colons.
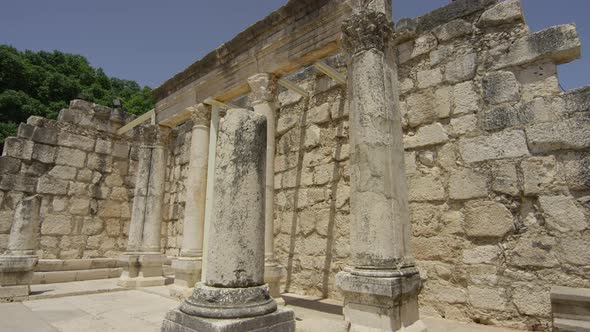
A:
x: 85, y: 175
x: 312, y: 185
x: 497, y: 162
x: 174, y: 199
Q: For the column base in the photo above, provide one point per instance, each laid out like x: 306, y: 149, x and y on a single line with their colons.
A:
x: 281, y: 320
x: 16, y: 273
x: 378, y: 304
x: 187, y: 272
x: 272, y: 277
x: 142, y: 270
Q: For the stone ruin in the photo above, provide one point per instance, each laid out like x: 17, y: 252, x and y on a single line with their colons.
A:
x: 435, y: 165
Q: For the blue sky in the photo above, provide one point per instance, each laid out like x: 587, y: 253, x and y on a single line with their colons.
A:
x: 151, y: 40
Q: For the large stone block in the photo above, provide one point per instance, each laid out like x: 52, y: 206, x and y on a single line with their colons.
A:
x: 505, y: 178
x: 504, y: 12
x: 577, y: 100
x: 505, y: 144
x: 572, y: 133
x: 465, y: 98
x: 500, y: 87
x: 487, y: 254
x: 70, y: 157
x: 56, y: 225
x: 429, y: 78
x: 487, y: 219
x: 531, y: 300
x: 467, y: 184
x: 18, y: 148
x: 75, y: 141
x: 48, y: 185
x: 561, y: 44
x: 426, y: 188
x: 420, y: 108
x: 9, y: 165
x: 44, y: 153
x: 452, y: 30
x: 45, y: 135
x: 286, y: 123
x: 63, y: 172
x: 534, y: 252
x: 575, y: 251
x: 539, y: 174
x: 487, y: 298
x: 563, y: 213
x: 433, y: 134
x: 18, y: 183
x: 461, y: 69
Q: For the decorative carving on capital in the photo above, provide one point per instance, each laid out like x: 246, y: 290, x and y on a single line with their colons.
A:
x: 365, y: 30
x: 200, y: 114
x: 263, y: 87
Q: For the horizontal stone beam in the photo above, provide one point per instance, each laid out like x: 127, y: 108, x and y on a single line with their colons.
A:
x: 295, y: 36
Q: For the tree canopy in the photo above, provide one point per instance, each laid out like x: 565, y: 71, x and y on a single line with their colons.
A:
x: 42, y: 83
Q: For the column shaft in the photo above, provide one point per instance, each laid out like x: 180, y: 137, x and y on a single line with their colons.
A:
x: 196, y: 184
x: 152, y: 230
x: 139, y: 199
x: 263, y: 98
x: 23, y: 238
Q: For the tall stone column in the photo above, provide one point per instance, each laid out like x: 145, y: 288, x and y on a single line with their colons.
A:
x: 18, y: 263
x: 187, y: 267
x: 143, y: 260
x: 233, y: 296
x: 263, y: 97
x: 382, y: 285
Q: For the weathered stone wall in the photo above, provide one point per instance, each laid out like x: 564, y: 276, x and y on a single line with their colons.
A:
x: 174, y: 197
x: 312, y: 185
x: 84, y: 174
x: 497, y: 162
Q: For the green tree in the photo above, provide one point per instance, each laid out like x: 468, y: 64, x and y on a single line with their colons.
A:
x: 41, y: 83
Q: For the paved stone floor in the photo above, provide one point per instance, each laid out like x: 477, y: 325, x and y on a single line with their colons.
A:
x: 106, y: 307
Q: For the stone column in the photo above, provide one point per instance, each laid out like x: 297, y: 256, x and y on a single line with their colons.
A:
x: 234, y: 296
x: 143, y: 260
x: 382, y: 285
x: 18, y: 263
x: 187, y: 267
x: 263, y: 97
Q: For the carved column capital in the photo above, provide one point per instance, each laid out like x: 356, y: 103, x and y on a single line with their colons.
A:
x: 366, y: 29
x: 200, y: 114
x: 263, y: 87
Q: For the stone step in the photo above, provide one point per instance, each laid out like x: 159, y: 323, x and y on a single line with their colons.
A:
x: 571, y: 308
x: 570, y: 325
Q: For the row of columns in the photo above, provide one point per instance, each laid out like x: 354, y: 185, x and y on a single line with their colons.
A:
x: 143, y: 252
x: 143, y: 262
x: 381, y: 285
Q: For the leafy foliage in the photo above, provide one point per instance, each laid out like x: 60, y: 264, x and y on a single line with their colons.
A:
x: 42, y: 83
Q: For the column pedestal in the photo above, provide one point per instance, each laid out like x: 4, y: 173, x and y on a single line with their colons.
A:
x: 381, y: 304
x: 281, y: 320
x: 16, y: 273
x: 187, y: 272
x: 142, y: 270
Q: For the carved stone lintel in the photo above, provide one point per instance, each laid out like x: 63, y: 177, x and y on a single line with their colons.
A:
x: 365, y: 30
x: 264, y: 87
x: 200, y: 114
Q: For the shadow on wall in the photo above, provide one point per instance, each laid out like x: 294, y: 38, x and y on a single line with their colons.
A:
x: 323, y: 262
